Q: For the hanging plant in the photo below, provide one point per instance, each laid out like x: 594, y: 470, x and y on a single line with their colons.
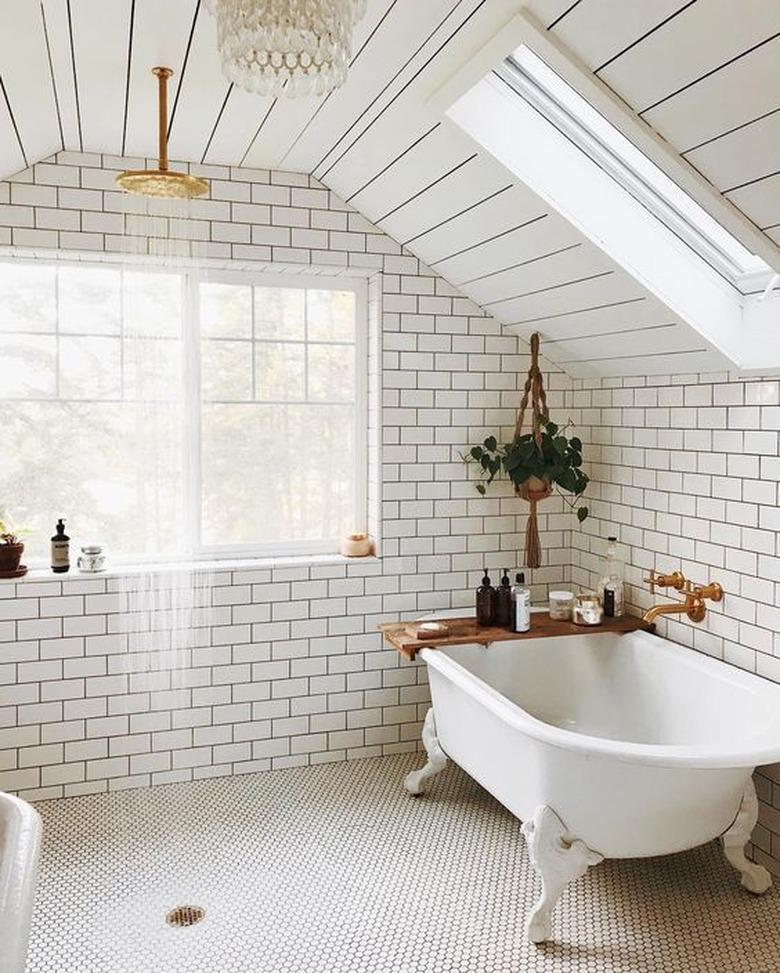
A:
x: 535, y: 461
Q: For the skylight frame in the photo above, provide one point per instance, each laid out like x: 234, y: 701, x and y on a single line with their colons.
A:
x: 565, y: 108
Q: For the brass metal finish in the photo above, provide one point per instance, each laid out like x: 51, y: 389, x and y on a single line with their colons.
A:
x: 674, y: 580
x: 162, y: 181
x: 695, y: 597
x: 185, y: 915
x: 162, y: 75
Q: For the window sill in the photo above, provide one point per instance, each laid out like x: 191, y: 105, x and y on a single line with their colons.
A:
x: 198, y: 567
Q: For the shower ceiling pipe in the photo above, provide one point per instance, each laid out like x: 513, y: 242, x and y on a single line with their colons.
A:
x: 162, y: 181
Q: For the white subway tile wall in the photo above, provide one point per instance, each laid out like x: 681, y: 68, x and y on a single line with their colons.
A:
x: 285, y: 665
x: 686, y: 473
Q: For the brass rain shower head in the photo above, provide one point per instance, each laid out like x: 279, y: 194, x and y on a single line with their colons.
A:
x: 162, y: 181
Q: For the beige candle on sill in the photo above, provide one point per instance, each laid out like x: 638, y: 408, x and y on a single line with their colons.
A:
x: 357, y: 545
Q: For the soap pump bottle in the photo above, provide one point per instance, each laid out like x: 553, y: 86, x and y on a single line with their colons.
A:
x: 504, y: 602
x: 60, y: 549
x: 486, y: 602
x: 521, y: 605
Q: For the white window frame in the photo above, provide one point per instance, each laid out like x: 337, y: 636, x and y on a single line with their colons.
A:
x: 192, y: 337
x: 192, y: 275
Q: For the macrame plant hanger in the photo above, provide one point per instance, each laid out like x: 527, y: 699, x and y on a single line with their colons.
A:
x: 534, y: 489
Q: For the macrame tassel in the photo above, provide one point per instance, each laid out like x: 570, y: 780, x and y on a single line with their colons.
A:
x: 533, y: 550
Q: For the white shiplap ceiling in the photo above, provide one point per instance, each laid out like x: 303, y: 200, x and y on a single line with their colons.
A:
x: 705, y: 75
x: 75, y: 74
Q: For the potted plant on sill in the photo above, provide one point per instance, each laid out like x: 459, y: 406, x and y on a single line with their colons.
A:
x: 11, y: 550
x: 537, y: 461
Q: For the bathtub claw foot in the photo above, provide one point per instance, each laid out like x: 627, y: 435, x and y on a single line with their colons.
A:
x: 414, y: 782
x: 559, y: 859
x: 755, y: 878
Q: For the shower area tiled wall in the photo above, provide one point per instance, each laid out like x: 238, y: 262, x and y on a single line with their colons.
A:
x: 284, y: 664
x: 686, y: 472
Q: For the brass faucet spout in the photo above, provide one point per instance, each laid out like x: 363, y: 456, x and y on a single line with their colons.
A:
x: 676, y: 608
x: 695, y: 596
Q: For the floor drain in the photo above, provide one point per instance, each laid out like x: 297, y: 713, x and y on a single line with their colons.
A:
x: 185, y: 915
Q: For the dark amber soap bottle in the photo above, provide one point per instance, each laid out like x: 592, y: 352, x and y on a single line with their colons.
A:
x: 486, y: 602
x: 503, y: 614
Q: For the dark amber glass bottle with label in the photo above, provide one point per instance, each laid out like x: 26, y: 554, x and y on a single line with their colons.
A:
x: 486, y: 602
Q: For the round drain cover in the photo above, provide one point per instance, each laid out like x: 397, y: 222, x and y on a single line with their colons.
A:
x: 185, y: 915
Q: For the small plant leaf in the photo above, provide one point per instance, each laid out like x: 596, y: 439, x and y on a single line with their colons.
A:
x: 476, y: 452
x: 582, y: 513
x: 481, y: 489
x: 490, y: 443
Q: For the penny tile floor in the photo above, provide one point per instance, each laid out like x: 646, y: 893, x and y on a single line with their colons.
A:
x: 335, y: 869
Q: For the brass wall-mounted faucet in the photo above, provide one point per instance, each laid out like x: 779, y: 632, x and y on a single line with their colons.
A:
x: 695, y: 596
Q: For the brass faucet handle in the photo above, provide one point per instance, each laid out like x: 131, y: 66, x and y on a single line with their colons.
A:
x: 651, y: 580
x: 713, y: 591
x: 674, y: 580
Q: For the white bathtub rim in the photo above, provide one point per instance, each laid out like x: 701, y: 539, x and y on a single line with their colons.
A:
x: 747, y: 755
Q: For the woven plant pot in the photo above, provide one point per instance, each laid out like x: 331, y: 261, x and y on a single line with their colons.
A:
x: 534, y: 489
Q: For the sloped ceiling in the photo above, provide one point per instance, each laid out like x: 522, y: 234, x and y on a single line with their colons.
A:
x: 705, y: 75
x: 75, y: 74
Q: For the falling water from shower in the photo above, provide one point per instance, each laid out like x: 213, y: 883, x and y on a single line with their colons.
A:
x: 166, y: 605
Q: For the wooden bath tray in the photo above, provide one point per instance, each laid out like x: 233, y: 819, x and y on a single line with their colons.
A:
x: 464, y: 631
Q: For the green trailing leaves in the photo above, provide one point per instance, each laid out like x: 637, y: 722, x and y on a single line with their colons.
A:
x: 557, y: 459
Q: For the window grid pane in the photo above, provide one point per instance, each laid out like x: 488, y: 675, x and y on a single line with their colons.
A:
x: 96, y: 411
x: 290, y: 475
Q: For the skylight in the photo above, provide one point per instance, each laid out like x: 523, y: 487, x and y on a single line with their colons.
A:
x: 587, y: 128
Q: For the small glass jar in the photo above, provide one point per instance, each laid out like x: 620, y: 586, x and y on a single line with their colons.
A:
x: 561, y: 606
x: 587, y: 609
x: 92, y: 560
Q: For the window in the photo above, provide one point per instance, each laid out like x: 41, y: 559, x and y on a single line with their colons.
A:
x: 595, y: 135
x: 182, y: 412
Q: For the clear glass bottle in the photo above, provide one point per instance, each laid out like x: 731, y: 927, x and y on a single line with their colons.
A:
x: 611, y: 582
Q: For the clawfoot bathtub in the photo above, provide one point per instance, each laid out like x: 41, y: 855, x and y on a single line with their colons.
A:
x: 20, y: 838
x: 604, y: 746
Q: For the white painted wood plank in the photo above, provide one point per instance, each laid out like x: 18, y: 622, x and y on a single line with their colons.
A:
x: 397, y: 129
x: 736, y: 94
x: 701, y: 38
x: 404, y: 29
x: 600, y: 319
x: 548, y: 11
x: 640, y: 341
x: 287, y: 120
x: 523, y: 243
x: 56, y: 14
x: 290, y: 116
x: 579, y: 262
x: 160, y: 33
x: 24, y: 67
x: 441, y: 150
x: 472, y: 183
x: 101, y: 33
x: 11, y: 158
x: 748, y: 153
x: 760, y: 201
x: 497, y: 215
x: 616, y: 286
x: 596, y: 30
x: 237, y: 126
x: 201, y: 95
x: 685, y: 363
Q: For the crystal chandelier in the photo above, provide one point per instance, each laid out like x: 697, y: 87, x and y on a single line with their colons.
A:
x: 286, y: 47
